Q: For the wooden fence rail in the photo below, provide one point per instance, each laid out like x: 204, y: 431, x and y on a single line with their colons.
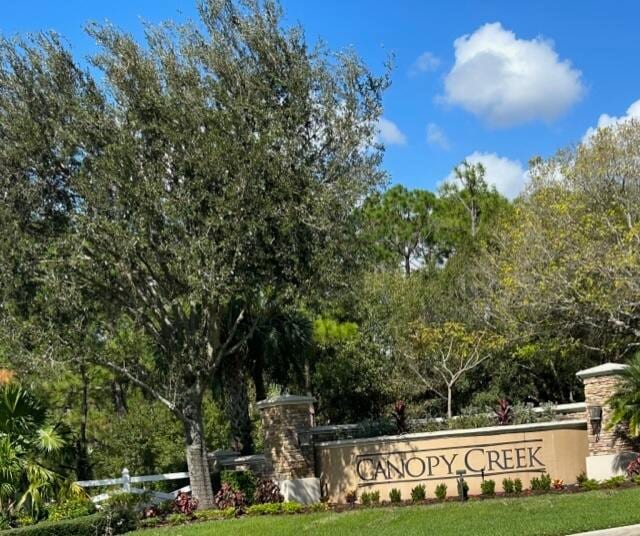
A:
x: 125, y: 481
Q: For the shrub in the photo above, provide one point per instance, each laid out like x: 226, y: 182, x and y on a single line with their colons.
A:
x: 419, y: 493
x: 243, y: 481
x: 589, y: 484
x: 441, y: 491
x: 227, y: 497
x: 581, y: 478
x: 613, y: 482
x: 150, y: 522
x: 70, y: 509
x: 370, y: 497
x: 507, y: 485
x: 395, y: 496
x: 127, y: 502
x: 185, y: 504
x: 351, y: 497
x: 100, y: 523
x: 292, y: 508
x: 543, y: 483
x: 558, y: 484
x: 488, y: 487
x: 212, y: 514
x: 517, y: 486
x: 264, y: 509
x: 267, y: 491
x: 322, y: 507
x: 177, y: 518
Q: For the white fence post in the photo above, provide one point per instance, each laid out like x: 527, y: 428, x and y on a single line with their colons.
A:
x: 126, y: 481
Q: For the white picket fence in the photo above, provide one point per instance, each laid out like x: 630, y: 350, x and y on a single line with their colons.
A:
x: 125, y: 484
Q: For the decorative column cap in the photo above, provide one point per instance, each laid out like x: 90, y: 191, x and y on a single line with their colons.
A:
x: 285, y: 400
x: 606, y: 369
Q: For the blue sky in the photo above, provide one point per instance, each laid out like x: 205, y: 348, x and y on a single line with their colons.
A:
x: 496, y: 81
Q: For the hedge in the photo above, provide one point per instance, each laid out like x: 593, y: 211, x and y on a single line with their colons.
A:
x: 92, y: 525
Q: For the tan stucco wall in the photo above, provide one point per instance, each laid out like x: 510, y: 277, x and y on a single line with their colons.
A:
x: 402, y: 462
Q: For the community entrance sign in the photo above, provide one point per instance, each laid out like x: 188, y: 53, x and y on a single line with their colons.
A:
x: 499, y: 458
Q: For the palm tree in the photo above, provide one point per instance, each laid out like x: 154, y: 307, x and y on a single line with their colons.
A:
x: 28, y: 444
x: 625, y: 403
x: 277, y: 351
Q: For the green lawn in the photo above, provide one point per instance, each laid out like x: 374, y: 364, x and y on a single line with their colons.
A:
x: 534, y: 516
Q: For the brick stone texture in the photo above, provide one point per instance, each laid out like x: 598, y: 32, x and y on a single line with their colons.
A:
x: 597, y: 391
x: 281, y: 425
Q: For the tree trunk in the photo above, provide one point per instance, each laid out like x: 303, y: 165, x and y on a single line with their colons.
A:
x: 119, y: 398
x: 449, y: 401
x: 83, y: 468
x: 237, y: 403
x: 407, y: 265
x: 197, y: 462
x: 258, y: 379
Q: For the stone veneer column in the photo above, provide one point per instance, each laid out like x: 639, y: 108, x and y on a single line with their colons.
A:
x: 608, y: 454
x: 288, y: 446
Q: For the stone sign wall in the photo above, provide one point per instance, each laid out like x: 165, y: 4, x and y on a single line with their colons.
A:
x: 521, y: 451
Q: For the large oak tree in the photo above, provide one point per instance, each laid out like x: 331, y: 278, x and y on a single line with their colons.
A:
x: 216, y: 164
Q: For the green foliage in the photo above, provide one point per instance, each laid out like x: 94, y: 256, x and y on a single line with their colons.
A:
x: 395, y: 496
x: 29, y: 450
x: 292, y: 507
x: 508, y: 485
x: 517, y: 486
x: 242, y: 481
x: 399, y: 224
x: 541, y: 483
x: 613, y: 482
x: 419, y: 493
x: 211, y: 514
x: 488, y: 487
x: 100, y: 523
x: 264, y: 509
x: 625, y: 402
x: 319, y: 507
x: 280, y: 508
x: 327, y: 331
x: 441, y: 491
x: 349, y: 379
x: 177, y: 519
x: 589, y: 484
x: 368, y: 498
x: 70, y: 509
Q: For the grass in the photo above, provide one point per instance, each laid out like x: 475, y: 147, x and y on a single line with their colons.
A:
x: 543, y: 515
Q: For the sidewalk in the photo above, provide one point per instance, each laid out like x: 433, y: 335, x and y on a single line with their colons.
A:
x: 630, y: 530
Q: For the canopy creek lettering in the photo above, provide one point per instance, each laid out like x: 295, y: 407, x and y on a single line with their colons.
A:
x: 440, y: 464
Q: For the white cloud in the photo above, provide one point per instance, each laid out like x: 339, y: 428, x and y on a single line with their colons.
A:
x: 605, y: 120
x: 436, y: 137
x: 426, y: 62
x: 507, y: 81
x: 508, y: 176
x: 389, y: 133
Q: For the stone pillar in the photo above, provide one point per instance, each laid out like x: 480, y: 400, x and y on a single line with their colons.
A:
x: 608, y: 453
x: 288, y: 446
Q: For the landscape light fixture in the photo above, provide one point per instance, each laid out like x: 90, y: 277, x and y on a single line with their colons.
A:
x: 595, y: 417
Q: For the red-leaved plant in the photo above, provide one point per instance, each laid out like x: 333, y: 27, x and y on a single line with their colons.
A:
x: 503, y: 412
x: 633, y: 469
x: 185, y: 504
x: 227, y: 497
x: 400, y: 417
x: 267, y: 491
